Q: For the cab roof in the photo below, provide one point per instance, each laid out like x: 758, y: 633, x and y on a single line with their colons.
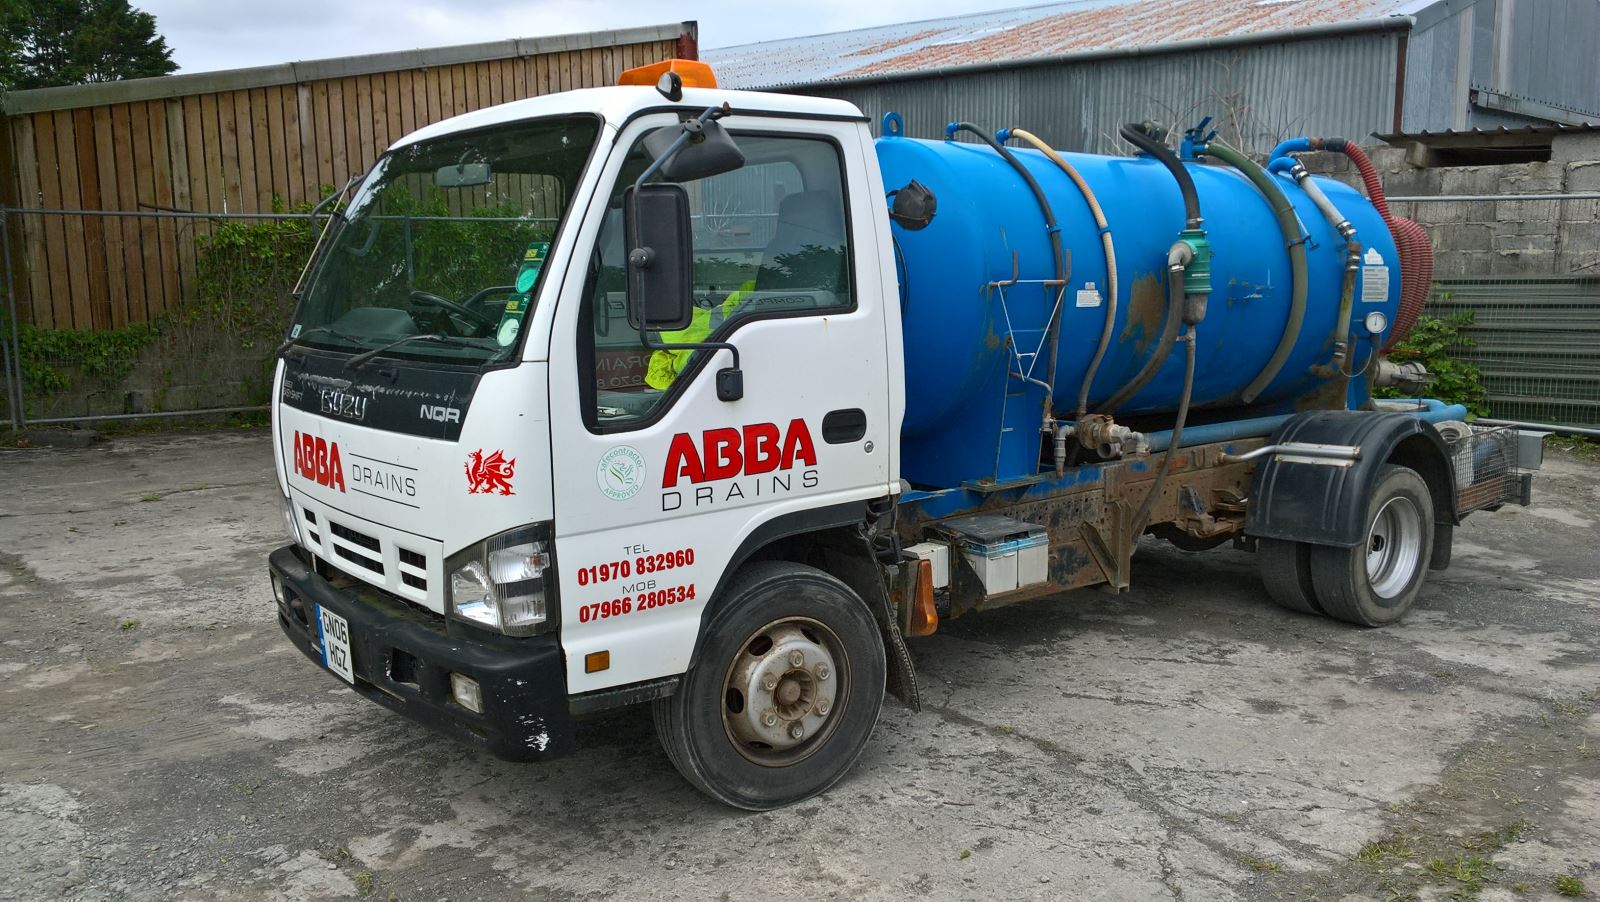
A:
x: 616, y: 105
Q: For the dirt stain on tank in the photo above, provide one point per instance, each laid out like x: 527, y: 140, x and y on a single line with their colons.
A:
x: 1147, y: 302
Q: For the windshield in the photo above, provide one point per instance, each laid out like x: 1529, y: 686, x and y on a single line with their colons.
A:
x: 446, y: 240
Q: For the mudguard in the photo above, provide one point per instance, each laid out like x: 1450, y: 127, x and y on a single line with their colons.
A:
x: 1325, y: 505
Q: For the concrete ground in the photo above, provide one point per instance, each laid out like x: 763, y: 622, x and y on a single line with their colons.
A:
x: 160, y: 738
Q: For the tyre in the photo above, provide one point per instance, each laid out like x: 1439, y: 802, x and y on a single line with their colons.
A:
x: 1377, y: 582
x: 1286, y: 572
x: 784, y: 694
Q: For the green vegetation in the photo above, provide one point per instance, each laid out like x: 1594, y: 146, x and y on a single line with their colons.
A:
x: 49, y: 355
x: 127, y: 625
x: 49, y: 43
x: 1434, y: 342
x: 1568, y: 885
x: 1467, y: 873
x: 1385, y: 851
x: 1264, y: 865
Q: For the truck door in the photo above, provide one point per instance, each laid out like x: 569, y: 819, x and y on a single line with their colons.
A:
x: 657, y: 481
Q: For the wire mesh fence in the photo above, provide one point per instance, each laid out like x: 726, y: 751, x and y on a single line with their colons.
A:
x: 159, y: 313
x: 170, y: 313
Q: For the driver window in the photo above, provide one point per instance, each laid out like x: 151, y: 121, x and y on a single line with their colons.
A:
x: 769, y: 240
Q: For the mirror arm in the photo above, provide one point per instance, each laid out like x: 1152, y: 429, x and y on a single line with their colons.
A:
x: 654, y: 345
x: 689, y: 131
x: 730, y: 380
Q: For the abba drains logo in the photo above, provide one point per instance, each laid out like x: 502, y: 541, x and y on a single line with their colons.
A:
x: 621, y: 473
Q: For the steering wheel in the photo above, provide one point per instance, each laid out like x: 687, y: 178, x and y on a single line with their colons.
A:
x: 491, y: 290
x: 428, y: 297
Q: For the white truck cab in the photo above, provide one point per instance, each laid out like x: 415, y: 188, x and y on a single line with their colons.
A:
x: 527, y: 514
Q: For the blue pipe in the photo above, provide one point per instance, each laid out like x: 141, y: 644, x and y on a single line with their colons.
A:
x: 1280, y: 164
x: 1219, y: 432
x: 1293, y: 145
x: 1434, y: 411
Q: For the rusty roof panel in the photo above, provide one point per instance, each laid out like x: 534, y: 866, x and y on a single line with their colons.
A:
x: 1052, y: 30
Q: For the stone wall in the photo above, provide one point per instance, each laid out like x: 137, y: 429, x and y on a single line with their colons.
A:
x: 1497, y: 237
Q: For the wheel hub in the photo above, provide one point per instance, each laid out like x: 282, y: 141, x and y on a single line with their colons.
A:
x: 1394, y: 546
x: 780, y: 694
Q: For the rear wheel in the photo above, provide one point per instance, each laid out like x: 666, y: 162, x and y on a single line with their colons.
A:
x: 1286, y: 572
x: 1376, y: 582
x: 785, y: 692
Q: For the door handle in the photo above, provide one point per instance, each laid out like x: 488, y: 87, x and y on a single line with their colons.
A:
x: 842, y: 426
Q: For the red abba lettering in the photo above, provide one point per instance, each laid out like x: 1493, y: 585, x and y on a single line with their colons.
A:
x: 727, y: 452
x: 317, y: 459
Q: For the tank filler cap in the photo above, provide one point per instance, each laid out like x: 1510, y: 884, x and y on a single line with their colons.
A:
x: 893, y: 125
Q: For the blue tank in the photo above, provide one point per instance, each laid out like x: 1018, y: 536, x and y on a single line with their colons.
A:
x: 967, y: 421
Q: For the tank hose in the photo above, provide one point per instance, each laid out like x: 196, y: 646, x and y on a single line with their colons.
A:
x: 1410, y: 241
x: 1290, y: 226
x: 1142, y: 518
x: 1339, y: 340
x: 1109, y: 330
x: 1178, y: 257
x: 1144, y: 136
x: 1147, y: 138
x: 1053, y: 333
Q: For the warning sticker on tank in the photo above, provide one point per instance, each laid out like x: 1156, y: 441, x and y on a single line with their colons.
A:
x: 1374, y: 277
x: 1088, y: 295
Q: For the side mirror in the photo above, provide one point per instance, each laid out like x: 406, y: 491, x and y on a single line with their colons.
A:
x: 655, y: 220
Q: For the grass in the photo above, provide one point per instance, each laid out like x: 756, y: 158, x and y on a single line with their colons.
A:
x: 1468, y: 872
x: 1578, y: 446
x: 965, y: 854
x: 1380, y: 852
x: 127, y: 625
x: 365, y: 882
x: 1264, y: 865
x: 1568, y: 885
x: 1492, y: 840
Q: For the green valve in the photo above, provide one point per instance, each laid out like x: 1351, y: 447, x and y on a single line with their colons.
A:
x: 1197, y: 275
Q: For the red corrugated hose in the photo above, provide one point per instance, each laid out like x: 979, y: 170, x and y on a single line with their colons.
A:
x: 1416, y: 250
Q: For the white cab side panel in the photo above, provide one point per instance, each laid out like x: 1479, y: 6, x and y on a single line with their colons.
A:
x: 796, y: 370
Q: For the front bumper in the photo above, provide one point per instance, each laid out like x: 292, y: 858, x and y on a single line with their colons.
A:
x: 403, y: 659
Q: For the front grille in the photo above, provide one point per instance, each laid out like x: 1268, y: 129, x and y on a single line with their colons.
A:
x: 413, y: 559
x: 354, y: 558
x: 355, y: 538
x: 414, y: 581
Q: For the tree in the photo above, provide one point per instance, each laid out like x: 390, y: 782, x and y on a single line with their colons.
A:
x: 46, y: 43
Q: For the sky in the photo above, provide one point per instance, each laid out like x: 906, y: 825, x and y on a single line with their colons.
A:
x: 230, y: 34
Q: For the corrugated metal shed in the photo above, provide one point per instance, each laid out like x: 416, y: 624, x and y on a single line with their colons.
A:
x: 1038, y: 32
x: 1074, y: 71
x: 1259, y: 93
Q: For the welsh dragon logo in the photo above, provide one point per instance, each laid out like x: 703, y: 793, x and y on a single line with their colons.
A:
x: 488, y: 475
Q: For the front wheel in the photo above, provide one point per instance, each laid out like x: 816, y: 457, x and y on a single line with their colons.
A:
x: 784, y: 694
x: 1376, y: 582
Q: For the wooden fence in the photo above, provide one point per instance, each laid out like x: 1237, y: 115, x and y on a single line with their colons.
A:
x: 246, y: 141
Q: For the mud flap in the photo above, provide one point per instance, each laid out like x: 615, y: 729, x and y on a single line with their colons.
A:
x: 857, y: 566
x: 902, y: 673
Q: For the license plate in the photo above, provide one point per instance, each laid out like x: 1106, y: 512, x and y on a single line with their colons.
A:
x: 335, y: 634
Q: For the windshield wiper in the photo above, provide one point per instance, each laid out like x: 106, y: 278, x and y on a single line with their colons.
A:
x: 360, y: 360
x: 293, y: 340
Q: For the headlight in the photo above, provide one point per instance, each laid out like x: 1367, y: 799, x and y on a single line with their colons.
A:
x: 289, y: 521
x: 500, y: 583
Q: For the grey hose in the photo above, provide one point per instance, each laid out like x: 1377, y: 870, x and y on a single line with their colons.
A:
x: 1298, y: 268
x: 1178, y: 257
